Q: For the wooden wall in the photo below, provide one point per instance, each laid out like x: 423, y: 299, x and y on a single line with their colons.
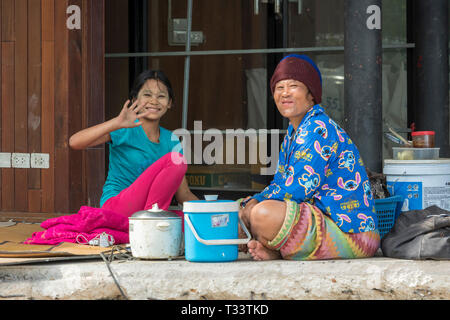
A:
x: 51, y: 86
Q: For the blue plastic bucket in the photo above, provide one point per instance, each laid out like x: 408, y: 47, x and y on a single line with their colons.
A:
x: 211, y: 230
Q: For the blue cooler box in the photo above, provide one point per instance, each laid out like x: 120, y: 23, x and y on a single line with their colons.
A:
x: 211, y: 230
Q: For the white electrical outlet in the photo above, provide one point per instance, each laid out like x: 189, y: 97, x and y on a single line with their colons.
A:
x: 5, y: 160
x: 40, y: 160
x: 20, y: 160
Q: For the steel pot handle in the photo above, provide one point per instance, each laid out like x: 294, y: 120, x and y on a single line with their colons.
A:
x: 163, y: 226
x: 219, y: 241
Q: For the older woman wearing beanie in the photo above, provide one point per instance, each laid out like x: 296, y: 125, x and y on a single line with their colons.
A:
x: 319, y: 204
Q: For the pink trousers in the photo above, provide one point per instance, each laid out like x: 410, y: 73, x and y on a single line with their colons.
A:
x: 157, y: 184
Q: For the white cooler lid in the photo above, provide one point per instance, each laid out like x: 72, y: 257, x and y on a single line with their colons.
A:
x: 417, y: 167
x: 210, y: 206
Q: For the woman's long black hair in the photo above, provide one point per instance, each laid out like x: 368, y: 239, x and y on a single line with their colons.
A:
x: 148, y: 75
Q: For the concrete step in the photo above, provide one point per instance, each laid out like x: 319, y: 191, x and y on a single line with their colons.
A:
x: 372, y: 278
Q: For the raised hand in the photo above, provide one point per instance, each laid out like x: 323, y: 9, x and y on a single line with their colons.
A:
x: 130, y: 113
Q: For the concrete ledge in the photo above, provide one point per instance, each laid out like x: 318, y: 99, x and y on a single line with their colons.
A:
x: 374, y: 278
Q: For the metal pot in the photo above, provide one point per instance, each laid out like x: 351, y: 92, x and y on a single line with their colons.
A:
x: 155, y: 234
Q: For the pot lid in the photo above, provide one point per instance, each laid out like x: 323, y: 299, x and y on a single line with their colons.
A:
x: 155, y: 213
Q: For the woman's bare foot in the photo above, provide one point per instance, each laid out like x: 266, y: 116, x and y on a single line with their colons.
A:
x: 260, y: 252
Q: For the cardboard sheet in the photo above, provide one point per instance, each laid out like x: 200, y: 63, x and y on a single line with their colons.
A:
x: 11, y: 246
x: 22, y: 261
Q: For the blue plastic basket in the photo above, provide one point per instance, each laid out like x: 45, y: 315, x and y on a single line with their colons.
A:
x: 387, y: 211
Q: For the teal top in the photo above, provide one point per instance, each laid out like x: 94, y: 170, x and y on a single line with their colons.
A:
x: 130, y: 153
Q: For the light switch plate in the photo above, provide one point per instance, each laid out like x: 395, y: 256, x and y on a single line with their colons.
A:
x: 40, y: 160
x: 178, y: 34
x: 5, y: 160
x: 20, y: 160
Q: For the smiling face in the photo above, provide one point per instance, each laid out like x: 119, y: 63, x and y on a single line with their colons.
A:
x: 293, y: 100
x: 155, y: 97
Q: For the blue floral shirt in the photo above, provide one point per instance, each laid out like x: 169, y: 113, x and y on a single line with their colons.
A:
x: 320, y: 164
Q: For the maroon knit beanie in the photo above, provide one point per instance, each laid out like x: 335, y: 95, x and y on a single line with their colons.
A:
x: 303, y: 70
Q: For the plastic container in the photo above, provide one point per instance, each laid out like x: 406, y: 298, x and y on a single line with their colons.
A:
x: 423, y: 139
x: 421, y: 183
x: 415, y: 153
x: 387, y: 210
x: 211, y: 230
